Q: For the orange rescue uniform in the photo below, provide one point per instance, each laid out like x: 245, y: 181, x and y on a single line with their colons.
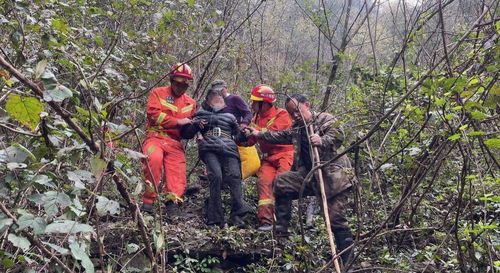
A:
x: 162, y: 144
x: 276, y: 159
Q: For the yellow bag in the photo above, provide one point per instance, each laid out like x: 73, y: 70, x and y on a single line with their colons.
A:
x: 250, y: 161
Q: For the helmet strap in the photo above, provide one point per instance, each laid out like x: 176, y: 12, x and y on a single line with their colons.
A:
x: 256, y: 115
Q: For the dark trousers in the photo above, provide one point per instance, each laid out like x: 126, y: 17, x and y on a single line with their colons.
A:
x: 223, y: 170
x: 287, y: 187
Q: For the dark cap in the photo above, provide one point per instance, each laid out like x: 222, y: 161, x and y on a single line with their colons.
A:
x: 218, y: 84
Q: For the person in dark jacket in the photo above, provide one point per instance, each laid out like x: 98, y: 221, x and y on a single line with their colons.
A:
x: 218, y: 150
x: 250, y: 162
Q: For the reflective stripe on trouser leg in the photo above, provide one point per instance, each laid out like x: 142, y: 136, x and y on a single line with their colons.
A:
x: 266, y: 174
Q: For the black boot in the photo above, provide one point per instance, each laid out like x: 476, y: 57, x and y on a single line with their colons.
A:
x: 235, y: 220
x: 244, y: 209
x: 283, y: 211
x: 171, y: 209
x: 148, y: 208
x: 344, y: 239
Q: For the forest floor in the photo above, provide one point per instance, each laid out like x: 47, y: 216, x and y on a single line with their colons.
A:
x: 193, y: 246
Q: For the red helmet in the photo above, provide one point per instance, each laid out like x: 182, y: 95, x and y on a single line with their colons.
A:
x: 181, y: 70
x: 263, y: 92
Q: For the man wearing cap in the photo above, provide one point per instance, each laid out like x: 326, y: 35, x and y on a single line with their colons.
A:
x: 235, y: 105
x: 168, y: 109
x: 338, y: 175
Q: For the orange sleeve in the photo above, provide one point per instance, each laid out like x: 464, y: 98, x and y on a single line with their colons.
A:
x: 194, y: 109
x: 159, y: 115
x: 281, y: 122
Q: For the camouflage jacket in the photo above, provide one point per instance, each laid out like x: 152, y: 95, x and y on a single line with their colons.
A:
x: 338, y: 175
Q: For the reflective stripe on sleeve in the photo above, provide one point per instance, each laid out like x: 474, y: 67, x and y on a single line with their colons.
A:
x: 187, y: 108
x: 161, y: 118
x: 169, y: 105
x: 270, y: 122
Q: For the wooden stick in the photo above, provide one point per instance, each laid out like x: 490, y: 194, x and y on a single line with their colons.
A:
x: 316, y: 160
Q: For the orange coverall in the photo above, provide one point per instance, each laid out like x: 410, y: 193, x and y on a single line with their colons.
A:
x: 276, y: 159
x: 162, y: 144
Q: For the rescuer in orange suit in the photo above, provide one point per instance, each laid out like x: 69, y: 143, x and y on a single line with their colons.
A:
x: 276, y: 159
x: 168, y: 109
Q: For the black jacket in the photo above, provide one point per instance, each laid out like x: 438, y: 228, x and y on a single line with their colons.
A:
x: 225, y: 143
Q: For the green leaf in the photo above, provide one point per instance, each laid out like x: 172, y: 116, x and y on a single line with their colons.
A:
x: 159, y: 241
x: 467, y: 94
x: 492, y: 226
x: 440, y: 101
x: 51, y: 201
x: 14, y: 165
x: 57, y: 94
x: 79, y: 176
x: 54, y: 90
x: 5, y: 222
x: 495, y: 90
x: 97, y: 165
x: 78, y: 252
x: 62, y: 250
x: 473, y: 82
x: 13, y: 154
x: 99, y: 41
x: 479, y: 115
x: 172, y: 197
x: 40, y: 67
x: 132, y: 248
x: 448, y: 83
x: 104, y: 205
x: 19, y: 242
x: 168, y: 16
x: 24, y: 150
x: 476, y: 133
x: 48, y: 78
x: 29, y: 220
x: 7, y: 262
x: 449, y: 116
x: 469, y: 105
x: 67, y: 226
x: 59, y: 25
x: 454, y: 137
x: 44, y: 180
x: 26, y: 110
x: 493, y: 143
x: 77, y: 207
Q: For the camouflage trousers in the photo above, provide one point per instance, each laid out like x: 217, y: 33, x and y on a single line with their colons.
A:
x: 287, y: 187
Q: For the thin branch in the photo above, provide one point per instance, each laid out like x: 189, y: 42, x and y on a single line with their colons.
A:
x: 188, y: 61
x: 35, y: 241
x: 143, y: 229
x: 444, y: 38
x: 59, y: 110
x: 19, y: 131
